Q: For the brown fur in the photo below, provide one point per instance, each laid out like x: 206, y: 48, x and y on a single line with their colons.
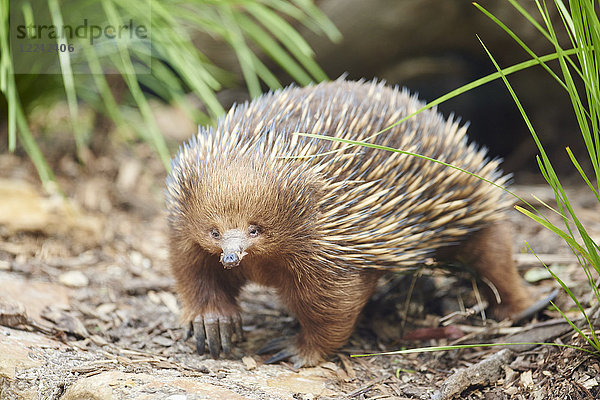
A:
x: 329, y: 226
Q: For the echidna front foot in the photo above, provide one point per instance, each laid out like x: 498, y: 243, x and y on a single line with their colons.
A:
x: 217, y: 332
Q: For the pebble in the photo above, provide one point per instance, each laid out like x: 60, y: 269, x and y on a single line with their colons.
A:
x: 75, y: 279
x: 4, y: 265
x: 249, y: 363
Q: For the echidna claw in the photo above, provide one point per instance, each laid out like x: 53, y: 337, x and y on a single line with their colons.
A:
x: 199, y: 334
x: 536, y: 307
x: 217, y: 332
x: 276, y: 344
x: 280, y: 356
x: 189, y: 332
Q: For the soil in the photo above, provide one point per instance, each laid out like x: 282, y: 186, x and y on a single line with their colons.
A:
x: 105, y: 243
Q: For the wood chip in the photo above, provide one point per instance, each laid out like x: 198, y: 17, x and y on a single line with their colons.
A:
x: 526, y: 379
x: 590, y: 383
x: 163, y: 341
x: 249, y: 363
x: 365, y: 388
x: 486, y: 371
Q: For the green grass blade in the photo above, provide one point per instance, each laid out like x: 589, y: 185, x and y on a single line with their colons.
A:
x: 270, y: 46
x: 265, y: 74
x: 479, y: 82
x: 582, y: 173
x: 128, y: 72
x: 69, y: 82
x: 244, y: 54
x: 521, y: 43
x: 288, y: 36
x: 33, y: 150
x: 7, y: 80
x: 109, y: 104
x: 564, y: 235
x: 530, y: 18
x: 309, y: 7
x: 594, y: 341
x: 470, y: 346
x: 410, y: 153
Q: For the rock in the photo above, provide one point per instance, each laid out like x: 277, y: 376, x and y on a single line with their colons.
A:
x: 117, y: 385
x: 23, y: 208
x: 487, y: 371
x: 35, y: 296
x: 308, y: 381
x: 18, y: 351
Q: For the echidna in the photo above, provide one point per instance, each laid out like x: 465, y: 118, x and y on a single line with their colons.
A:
x: 320, y: 221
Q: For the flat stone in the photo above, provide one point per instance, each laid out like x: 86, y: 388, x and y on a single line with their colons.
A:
x: 309, y: 381
x: 116, y: 385
x: 15, y: 348
x: 35, y: 296
x: 17, y: 352
x: 24, y: 208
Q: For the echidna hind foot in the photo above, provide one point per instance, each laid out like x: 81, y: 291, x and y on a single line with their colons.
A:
x: 488, y: 252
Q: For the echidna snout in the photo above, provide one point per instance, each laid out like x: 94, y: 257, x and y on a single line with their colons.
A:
x: 234, y: 243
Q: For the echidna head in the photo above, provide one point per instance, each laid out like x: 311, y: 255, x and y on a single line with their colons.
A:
x: 240, y: 208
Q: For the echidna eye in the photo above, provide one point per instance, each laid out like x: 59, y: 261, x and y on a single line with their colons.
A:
x: 253, y: 231
x: 214, y: 233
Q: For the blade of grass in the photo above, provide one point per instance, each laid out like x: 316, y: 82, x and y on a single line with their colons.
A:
x: 410, y: 153
x: 469, y: 346
x: 7, y: 82
x: 582, y: 173
x: 583, y: 116
x: 594, y: 341
x: 109, y: 103
x: 270, y: 46
x: 235, y: 38
x: 479, y: 82
x: 325, y: 23
x: 555, y: 183
x: 288, y: 36
x: 265, y: 74
x: 67, y: 75
x: 128, y: 72
x: 521, y: 43
x: 44, y: 171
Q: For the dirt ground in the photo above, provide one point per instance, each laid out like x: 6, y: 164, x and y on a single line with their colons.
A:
x: 105, y: 247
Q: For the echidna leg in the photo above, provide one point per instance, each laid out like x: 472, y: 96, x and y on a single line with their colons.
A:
x: 209, y: 297
x: 489, y: 253
x: 327, y: 309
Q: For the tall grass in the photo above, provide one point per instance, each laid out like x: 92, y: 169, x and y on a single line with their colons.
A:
x: 580, y: 77
x: 169, y: 66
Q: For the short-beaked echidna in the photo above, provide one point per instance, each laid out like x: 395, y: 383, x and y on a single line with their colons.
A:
x: 249, y: 200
